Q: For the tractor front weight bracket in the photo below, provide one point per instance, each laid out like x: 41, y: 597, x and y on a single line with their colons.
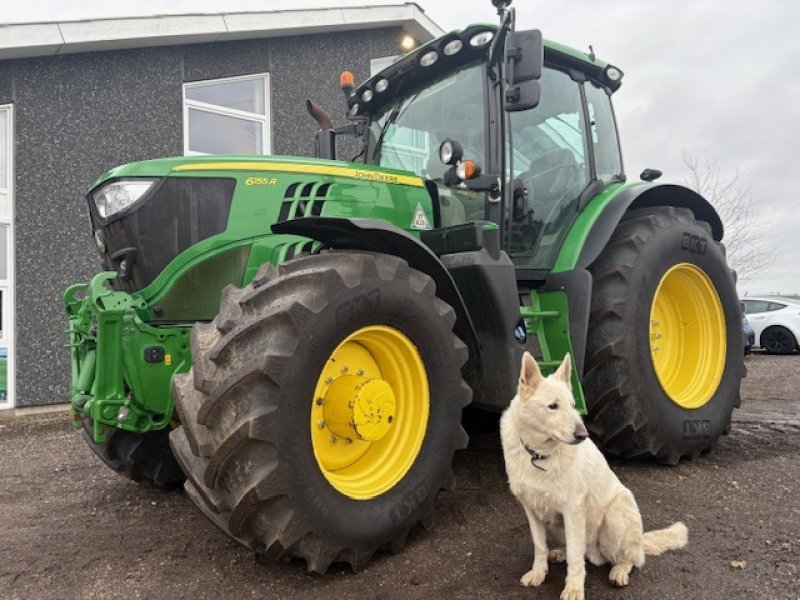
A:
x: 121, y: 366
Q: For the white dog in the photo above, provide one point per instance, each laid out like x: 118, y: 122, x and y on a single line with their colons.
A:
x: 567, y: 489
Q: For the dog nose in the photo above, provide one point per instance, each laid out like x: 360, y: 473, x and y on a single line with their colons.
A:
x: 581, y: 433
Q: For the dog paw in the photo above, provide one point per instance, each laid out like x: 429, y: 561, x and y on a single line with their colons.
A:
x: 620, y: 575
x: 558, y: 555
x: 572, y: 592
x: 533, y: 578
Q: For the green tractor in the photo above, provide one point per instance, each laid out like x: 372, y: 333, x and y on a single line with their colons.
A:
x: 299, y: 336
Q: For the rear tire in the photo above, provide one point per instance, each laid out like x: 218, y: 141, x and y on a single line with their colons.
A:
x: 250, y: 440
x: 142, y: 457
x: 778, y: 340
x: 643, y: 404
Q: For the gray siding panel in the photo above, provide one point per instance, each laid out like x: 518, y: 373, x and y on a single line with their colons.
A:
x: 76, y: 116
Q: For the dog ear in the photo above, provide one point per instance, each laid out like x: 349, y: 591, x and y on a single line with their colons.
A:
x: 530, y: 375
x: 564, y: 371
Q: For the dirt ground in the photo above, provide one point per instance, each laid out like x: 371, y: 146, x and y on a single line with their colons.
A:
x: 70, y: 528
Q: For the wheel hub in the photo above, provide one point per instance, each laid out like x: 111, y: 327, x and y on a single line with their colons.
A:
x: 369, y: 412
x: 359, y: 408
x: 687, y: 336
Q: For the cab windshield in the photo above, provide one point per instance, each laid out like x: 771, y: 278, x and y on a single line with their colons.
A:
x: 406, y: 135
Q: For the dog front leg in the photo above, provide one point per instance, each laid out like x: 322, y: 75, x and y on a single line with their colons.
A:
x: 575, y: 533
x: 538, y: 571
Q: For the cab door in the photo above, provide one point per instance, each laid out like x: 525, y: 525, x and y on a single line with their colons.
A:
x: 550, y: 158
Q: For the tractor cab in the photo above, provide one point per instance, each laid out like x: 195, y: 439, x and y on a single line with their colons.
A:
x: 536, y: 164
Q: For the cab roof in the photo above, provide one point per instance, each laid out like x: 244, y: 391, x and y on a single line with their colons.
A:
x: 409, y: 66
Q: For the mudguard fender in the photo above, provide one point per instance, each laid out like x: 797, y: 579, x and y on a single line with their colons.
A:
x: 642, y: 196
x: 379, y: 236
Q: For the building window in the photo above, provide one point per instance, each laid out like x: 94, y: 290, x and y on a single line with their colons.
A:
x: 227, y: 116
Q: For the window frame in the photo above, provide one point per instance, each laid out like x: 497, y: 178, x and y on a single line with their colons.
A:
x: 8, y: 286
x: 265, y: 120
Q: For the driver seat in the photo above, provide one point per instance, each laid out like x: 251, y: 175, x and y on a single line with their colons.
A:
x: 551, y: 176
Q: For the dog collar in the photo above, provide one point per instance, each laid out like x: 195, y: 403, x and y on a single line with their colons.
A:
x: 534, y: 455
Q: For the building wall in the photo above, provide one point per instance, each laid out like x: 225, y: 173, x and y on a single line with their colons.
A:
x: 81, y: 114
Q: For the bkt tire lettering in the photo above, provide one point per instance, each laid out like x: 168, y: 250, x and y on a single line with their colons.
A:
x: 408, y: 504
x: 365, y: 303
x: 693, y: 243
x: 696, y: 429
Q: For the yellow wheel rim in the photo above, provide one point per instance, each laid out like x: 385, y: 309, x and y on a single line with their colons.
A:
x: 687, y: 336
x: 370, y: 412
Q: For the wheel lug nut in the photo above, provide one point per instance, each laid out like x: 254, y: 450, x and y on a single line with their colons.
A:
x: 320, y: 401
x: 321, y: 424
x: 329, y: 380
x: 333, y: 439
x: 360, y: 372
x: 345, y: 370
x: 348, y: 441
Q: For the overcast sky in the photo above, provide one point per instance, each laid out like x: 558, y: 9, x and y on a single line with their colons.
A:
x: 714, y: 77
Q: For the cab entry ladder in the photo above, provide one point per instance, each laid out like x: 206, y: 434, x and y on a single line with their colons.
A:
x: 537, y: 321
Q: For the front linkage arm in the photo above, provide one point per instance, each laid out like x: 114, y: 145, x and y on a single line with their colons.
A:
x: 121, y: 366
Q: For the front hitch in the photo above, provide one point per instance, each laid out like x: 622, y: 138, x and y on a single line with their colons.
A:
x: 121, y: 366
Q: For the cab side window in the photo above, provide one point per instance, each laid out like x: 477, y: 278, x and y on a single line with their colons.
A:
x: 608, y: 161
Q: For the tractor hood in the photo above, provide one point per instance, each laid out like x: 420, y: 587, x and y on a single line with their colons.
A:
x: 156, y: 222
x: 229, y: 164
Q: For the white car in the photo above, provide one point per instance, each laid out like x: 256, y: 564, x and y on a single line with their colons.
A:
x: 776, y: 322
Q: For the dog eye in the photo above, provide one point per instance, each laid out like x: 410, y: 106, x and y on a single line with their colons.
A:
x: 553, y: 406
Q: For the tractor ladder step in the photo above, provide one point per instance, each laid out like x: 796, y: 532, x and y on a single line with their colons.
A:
x: 534, y: 317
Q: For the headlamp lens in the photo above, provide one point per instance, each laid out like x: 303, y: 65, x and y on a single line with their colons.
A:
x: 116, y: 196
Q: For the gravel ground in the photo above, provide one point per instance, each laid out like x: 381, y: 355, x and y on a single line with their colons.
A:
x: 73, y: 529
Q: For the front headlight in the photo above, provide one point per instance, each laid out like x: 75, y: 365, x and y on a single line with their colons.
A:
x: 119, y: 195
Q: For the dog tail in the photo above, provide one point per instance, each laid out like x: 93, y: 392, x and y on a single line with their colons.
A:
x: 673, y: 537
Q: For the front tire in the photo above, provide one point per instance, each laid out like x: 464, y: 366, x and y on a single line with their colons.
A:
x: 664, y: 349
x: 141, y: 457
x: 323, y: 409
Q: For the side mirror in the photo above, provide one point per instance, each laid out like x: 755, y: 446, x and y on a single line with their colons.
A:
x: 524, y: 60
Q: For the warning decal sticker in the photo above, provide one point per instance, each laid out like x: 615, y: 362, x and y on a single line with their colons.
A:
x: 420, y: 220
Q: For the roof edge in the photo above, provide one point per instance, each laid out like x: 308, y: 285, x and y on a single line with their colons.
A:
x: 24, y: 40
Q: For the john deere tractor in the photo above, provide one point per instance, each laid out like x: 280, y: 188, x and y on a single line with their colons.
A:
x: 299, y: 336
